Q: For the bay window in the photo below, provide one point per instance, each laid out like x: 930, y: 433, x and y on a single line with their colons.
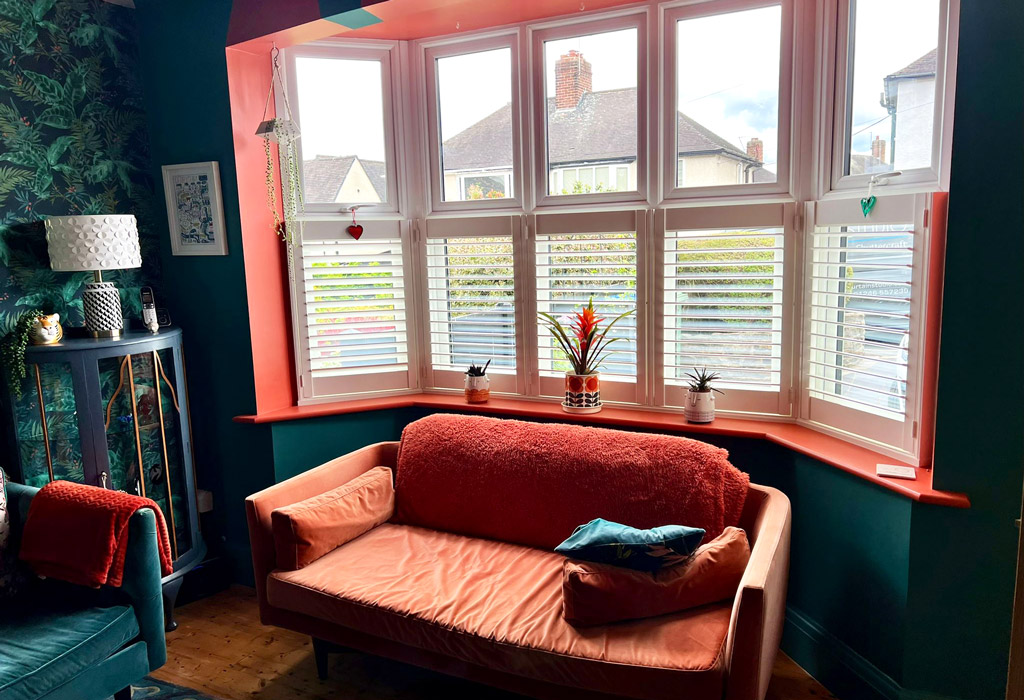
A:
x: 538, y: 170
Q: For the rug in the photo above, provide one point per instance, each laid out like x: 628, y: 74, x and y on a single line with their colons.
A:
x: 152, y: 689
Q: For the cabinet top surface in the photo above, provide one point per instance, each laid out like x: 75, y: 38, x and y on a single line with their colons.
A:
x: 127, y: 339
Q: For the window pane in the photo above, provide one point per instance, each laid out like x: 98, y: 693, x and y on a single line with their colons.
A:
x: 591, y: 84
x: 727, y: 98
x: 891, y: 113
x: 860, y: 301
x: 723, y: 306
x: 474, y: 97
x: 472, y: 302
x: 572, y: 269
x: 342, y: 143
x: 355, y: 307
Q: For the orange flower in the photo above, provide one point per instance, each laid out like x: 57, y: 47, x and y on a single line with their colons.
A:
x: 585, y: 324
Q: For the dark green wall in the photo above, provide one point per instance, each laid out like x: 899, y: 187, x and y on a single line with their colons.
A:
x: 883, y: 591
x: 186, y: 91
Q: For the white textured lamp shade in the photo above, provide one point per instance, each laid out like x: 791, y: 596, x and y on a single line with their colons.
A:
x: 88, y: 243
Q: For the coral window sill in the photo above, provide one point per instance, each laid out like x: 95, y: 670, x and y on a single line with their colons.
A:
x: 850, y: 458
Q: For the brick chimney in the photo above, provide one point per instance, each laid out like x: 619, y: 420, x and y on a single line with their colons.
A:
x: 878, y: 149
x: 755, y: 149
x: 573, y: 79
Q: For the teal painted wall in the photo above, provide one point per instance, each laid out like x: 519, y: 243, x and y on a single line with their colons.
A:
x: 962, y: 563
x: 915, y: 594
x: 186, y: 92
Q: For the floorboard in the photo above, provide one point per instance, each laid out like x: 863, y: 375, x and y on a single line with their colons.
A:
x: 221, y: 649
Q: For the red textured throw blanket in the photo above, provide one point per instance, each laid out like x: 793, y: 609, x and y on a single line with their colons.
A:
x: 533, y: 483
x: 79, y: 533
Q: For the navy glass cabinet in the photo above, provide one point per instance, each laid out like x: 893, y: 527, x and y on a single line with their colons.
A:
x: 113, y: 413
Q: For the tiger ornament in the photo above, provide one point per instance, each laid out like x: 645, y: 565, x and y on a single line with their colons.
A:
x: 46, y: 330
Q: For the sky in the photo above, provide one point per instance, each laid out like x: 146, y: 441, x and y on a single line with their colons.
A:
x: 889, y: 36
x: 728, y: 74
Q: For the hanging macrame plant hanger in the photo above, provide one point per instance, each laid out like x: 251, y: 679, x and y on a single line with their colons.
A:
x: 284, y: 132
x: 276, y: 129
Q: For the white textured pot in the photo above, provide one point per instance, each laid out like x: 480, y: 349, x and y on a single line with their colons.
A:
x: 478, y: 389
x: 700, y: 406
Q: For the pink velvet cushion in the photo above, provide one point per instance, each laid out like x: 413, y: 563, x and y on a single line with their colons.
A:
x: 533, y: 483
x: 307, y: 530
x: 595, y: 594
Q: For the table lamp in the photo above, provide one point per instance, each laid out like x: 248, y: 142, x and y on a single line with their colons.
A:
x: 93, y: 244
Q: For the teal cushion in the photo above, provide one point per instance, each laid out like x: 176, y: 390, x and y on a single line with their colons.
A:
x: 606, y: 542
x: 42, y: 649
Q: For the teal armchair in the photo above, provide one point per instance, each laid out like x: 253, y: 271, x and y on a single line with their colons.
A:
x: 66, y: 642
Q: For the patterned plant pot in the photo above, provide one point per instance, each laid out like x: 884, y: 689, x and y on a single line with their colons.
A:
x: 699, y: 407
x: 582, y: 393
x: 478, y: 389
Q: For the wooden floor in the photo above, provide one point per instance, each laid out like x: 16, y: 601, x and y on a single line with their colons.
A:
x: 221, y: 649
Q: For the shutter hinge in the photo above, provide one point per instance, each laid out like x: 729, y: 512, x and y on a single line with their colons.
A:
x: 798, y: 220
x: 790, y: 393
x: 913, y: 430
x: 927, y: 213
x: 302, y: 381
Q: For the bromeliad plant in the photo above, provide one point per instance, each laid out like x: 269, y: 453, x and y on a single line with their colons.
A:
x: 700, y: 381
x: 585, y: 343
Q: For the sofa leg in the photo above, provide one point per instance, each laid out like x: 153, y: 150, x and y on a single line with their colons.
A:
x: 124, y: 694
x: 321, y: 648
x: 170, y: 593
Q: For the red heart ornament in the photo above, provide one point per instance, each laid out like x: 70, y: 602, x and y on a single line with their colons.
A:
x: 355, y: 230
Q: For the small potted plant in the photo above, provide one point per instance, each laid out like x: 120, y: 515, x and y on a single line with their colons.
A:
x: 700, y: 399
x: 584, y: 344
x: 478, y: 384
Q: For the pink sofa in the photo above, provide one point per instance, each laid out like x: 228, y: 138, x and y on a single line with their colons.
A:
x: 449, y: 584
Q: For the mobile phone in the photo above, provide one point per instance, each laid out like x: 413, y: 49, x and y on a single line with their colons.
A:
x: 149, y: 309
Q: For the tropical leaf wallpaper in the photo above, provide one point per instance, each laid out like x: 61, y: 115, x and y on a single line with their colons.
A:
x: 72, y: 141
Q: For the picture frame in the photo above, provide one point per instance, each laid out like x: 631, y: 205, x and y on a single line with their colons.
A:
x: 195, y: 209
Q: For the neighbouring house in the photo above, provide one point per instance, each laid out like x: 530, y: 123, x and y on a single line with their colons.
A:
x: 909, y: 96
x: 344, y: 179
x: 592, y: 145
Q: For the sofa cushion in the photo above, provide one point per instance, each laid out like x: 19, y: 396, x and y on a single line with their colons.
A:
x: 309, y: 529
x: 646, y: 550
x: 499, y: 605
x: 596, y: 594
x: 533, y: 483
x: 43, y: 647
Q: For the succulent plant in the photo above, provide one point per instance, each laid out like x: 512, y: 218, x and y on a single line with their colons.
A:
x: 700, y: 380
x: 478, y: 371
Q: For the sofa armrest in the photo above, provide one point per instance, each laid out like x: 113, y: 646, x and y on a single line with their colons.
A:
x: 142, y: 584
x: 259, y: 506
x: 759, y: 611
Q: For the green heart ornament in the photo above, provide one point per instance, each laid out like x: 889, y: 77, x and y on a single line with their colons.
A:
x: 867, y: 204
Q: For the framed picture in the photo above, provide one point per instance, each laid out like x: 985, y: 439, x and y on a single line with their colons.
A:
x: 195, y: 211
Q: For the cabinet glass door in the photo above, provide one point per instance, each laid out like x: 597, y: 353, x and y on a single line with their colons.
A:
x: 141, y: 413
x: 47, y: 425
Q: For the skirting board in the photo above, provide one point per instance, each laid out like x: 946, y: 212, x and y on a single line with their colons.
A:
x: 845, y: 673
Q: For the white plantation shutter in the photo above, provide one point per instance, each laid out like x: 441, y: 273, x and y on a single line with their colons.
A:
x: 723, y: 305
x: 862, y: 328
x: 353, y: 301
x: 584, y: 257
x: 471, y: 299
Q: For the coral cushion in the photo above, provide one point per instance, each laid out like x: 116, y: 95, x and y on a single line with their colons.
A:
x: 532, y: 483
x: 307, y: 530
x: 594, y: 594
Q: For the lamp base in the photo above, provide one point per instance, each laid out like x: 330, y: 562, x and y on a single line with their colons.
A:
x: 102, y: 306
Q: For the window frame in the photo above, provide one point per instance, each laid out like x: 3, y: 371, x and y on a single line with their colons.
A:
x: 388, y: 53
x: 780, y: 215
x: 854, y: 425
x: 539, y: 34
x: 429, y: 52
x: 363, y: 386
x: 834, y: 73
x: 789, y: 50
x: 439, y: 227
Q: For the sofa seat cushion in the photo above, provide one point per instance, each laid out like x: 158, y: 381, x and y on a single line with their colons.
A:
x: 42, y: 649
x: 499, y: 605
